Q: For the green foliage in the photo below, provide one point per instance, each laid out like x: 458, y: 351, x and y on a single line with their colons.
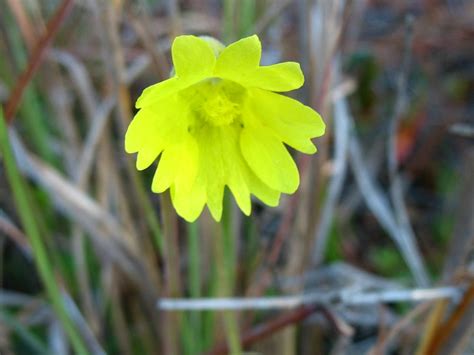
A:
x: 28, y: 217
x: 388, y: 262
x: 364, y: 66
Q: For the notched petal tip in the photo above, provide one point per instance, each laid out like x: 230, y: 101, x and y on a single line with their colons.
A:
x: 130, y: 146
x: 189, y: 219
x: 241, y: 196
x: 298, y: 76
x: 275, y: 202
x: 144, y: 160
x: 321, y: 126
x: 307, y: 147
x: 161, y: 180
x: 215, y: 214
x: 131, y: 142
x: 280, y: 77
x: 318, y: 128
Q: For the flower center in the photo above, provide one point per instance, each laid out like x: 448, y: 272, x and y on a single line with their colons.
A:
x: 219, y: 110
x: 216, y: 102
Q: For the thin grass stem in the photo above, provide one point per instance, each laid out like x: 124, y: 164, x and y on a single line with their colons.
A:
x: 172, y: 271
x: 28, y: 337
x: 225, y: 258
x: 28, y: 219
x: 194, y: 283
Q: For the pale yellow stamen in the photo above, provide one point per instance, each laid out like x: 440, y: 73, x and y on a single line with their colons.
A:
x: 219, y: 110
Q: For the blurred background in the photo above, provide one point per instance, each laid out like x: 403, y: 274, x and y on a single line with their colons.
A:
x: 372, y: 255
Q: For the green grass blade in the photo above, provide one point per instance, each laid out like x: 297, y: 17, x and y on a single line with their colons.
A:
x: 23, y: 333
x: 28, y: 220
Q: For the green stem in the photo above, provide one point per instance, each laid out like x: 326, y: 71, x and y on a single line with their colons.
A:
x: 23, y: 204
x: 194, y: 261
x: 191, y: 324
x: 247, y: 17
x: 225, y: 255
x: 171, y: 265
x: 194, y: 284
x: 229, y: 23
x: 150, y: 214
x: 208, y: 317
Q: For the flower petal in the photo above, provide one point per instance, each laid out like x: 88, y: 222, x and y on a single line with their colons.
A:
x: 154, y: 128
x: 152, y: 94
x: 269, y: 159
x: 211, y: 168
x: 264, y: 193
x: 193, y: 57
x: 239, y: 58
x: 189, y: 164
x: 140, y: 138
x: 285, y: 76
x: 178, y: 165
x: 189, y: 205
x: 235, y: 168
x: 292, y: 122
x: 223, y: 165
x: 193, y: 60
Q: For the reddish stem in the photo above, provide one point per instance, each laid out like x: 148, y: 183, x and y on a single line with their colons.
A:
x: 36, y: 58
x: 264, y: 330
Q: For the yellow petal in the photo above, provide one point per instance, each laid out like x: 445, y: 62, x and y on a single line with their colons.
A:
x: 193, y: 60
x: 193, y: 57
x: 134, y: 138
x: 189, y: 164
x: 189, y: 204
x: 222, y: 165
x: 154, y: 128
x: 142, y: 136
x: 239, y: 58
x: 264, y: 193
x: 166, y: 171
x: 178, y: 165
x: 211, y: 168
x: 215, y: 198
x: 278, y: 77
x: 269, y: 159
x: 235, y: 168
x: 292, y: 122
x: 152, y: 94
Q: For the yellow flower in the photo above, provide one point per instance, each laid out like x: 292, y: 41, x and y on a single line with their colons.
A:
x: 218, y: 122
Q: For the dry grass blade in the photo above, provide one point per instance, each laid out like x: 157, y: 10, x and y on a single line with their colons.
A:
x: 82, y: 209
x: 134, y: 278
x: 406, y: 234
x: 342, y: 133
x: 9, y: 229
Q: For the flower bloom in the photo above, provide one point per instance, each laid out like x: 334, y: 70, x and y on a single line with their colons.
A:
x: 219, y: 122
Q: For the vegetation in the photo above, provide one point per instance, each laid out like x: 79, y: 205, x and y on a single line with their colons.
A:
x: 372, y: 254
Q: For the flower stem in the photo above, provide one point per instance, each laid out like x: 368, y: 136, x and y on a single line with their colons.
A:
x: 194, y: 284
x: 172, y: 272
x: 225, y: 258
